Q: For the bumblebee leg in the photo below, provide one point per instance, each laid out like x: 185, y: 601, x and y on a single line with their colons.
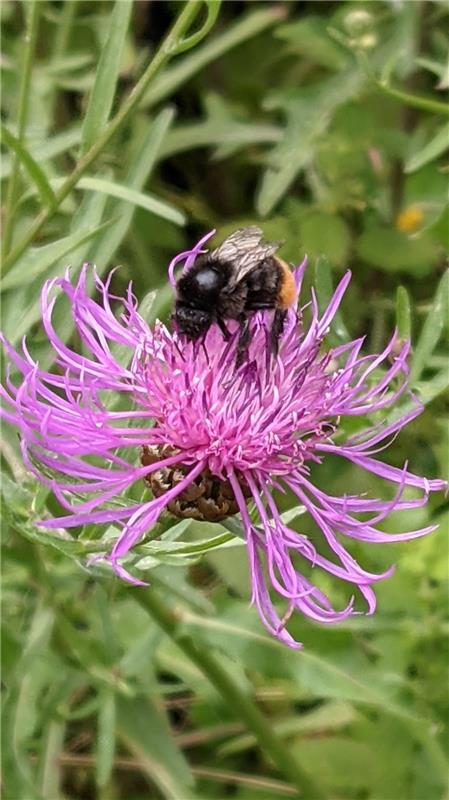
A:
x: 204, y: 349
x: 243, y: 341
x: 277, y: 329
x: 223, y: 328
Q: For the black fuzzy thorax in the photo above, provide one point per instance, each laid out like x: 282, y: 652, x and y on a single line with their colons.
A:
x: 258, y: 290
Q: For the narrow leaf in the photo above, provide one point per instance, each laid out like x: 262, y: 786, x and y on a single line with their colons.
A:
x: 189, y: 548
x: 437, y: 145
x: 36, y: 262
x: 105, y: 737
x: 50, y: 766
x: 403, y: 313
x: 212, y: 133
x: 309, y: 113
x: 137, y: 176
x: 432, y: 329
x: 147, y: 201
x: 104, y: 88
x: 90, y: 213
x: 430, y: 389
x: 324, y: 289
x: 32, y: 167
x: 45, y: 150
x: 333, y: 715
x: 146, y: 734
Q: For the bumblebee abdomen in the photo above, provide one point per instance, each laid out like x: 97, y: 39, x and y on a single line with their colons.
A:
x: 287, y: 287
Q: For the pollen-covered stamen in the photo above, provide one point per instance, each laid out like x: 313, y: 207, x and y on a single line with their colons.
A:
x: 207, y: 498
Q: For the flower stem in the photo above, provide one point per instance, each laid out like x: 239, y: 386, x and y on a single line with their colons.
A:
x: 414, y: 101
x: 173, y: 43
x: 31, y: 10
x: 244, y: 706
x: 63, y: 31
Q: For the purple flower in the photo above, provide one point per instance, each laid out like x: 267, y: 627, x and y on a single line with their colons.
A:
x: 210, y: 439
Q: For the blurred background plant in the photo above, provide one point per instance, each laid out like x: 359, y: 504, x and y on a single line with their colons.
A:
x: 326, y: 123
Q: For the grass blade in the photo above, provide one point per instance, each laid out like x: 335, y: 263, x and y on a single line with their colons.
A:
x: 35, y: 172
x: 106, y: 737
x: 147, y: 201
x: 432, y: 329
x: 36, y: 263
x: 213, y: 134
x: 138, y: 174
x: 45, y: 150
x: 437, y: 145
x: 324, y: 289
x: 145, y: 733
x: 50, y: 765
x: 403, y: 314
x: 308, y: 118
x: 102, y: 95
x: 32, y: 12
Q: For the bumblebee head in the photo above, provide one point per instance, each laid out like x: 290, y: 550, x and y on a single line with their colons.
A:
x: 192, y: 322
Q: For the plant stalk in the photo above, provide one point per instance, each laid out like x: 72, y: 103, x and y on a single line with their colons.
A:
x: 62, y: 35
x: 414, y: 101
x: 169, y: 47
x: 30, y: 38
x: 244, y: 706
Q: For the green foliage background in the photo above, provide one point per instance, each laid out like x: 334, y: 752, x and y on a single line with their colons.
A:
x: 327, y: 124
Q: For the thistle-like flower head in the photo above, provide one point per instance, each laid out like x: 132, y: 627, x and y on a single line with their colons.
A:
x: 140, y: 405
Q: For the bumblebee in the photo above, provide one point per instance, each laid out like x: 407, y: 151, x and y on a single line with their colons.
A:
x: 241, y: 276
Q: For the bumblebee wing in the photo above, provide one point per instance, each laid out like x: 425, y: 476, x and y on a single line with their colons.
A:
x: 245, y: 250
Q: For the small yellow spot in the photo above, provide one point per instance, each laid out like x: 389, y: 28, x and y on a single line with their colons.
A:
x: 409, y: 219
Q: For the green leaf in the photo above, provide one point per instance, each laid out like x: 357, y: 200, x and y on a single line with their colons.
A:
x: 323, y: 233
x: 90, y: 212
x: 310, y: 38
x: 158, y: 550
x: 50, y: 767
x: 235, y: 526
x: 147, y: 201
x: 324, y: 289
x: 434, y: 148
x: 435, y: 322
x: 393, y: 251
x: 403, y: 313
x: 35, y: 172
x: 288, y: 516
x: 145, y: 733
x: 438, y: 68
x: 46, y: 150
x: 322, y: 675
x: 105, y: 736
x: 309, y: 113
x: 32, y: 673
x: 36, y: 262
x: 69, y: 63
x: 433, y: 387
x: 231, y: 135
x: 106, y: 77
x: 332, y: 715
x: 345, y: 766
x: 136, y: 178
